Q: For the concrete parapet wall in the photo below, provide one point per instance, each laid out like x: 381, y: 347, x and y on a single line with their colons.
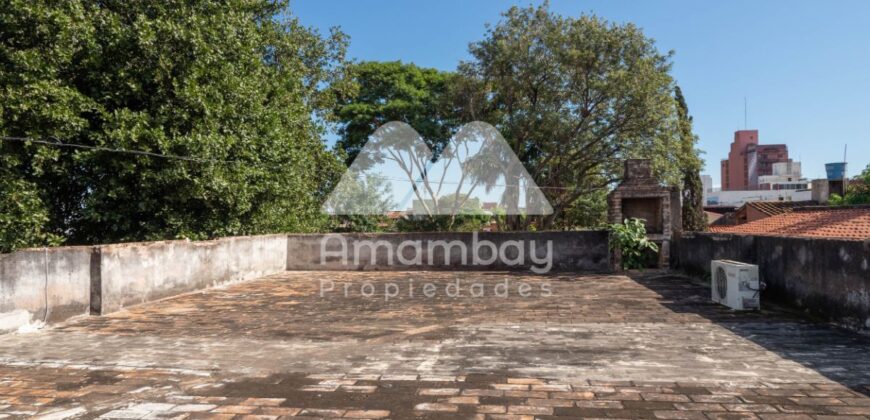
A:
x: 103, y: 279
x: 825, y: 277
x: 141, y: 272
x: 567, y: 251
x: 57, y: 283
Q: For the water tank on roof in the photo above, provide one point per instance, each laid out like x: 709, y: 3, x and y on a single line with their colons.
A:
x: 836, y: 170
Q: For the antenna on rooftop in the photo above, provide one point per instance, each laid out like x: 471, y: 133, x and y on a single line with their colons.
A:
x: 845, y: 165
x: 745, y: 114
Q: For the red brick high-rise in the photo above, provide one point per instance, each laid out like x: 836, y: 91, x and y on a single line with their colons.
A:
x: 748, y: 160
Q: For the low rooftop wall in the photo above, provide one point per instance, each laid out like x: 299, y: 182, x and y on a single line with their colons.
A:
x: 45, y: 285
x: 54, y: 284
x: 825, y: 277
x: 536, y: 251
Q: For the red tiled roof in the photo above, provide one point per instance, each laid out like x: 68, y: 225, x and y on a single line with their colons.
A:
x: 772, y: 208
x: 819, y: 222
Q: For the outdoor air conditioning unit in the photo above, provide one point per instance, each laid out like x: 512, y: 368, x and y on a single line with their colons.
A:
x: 735, y: 284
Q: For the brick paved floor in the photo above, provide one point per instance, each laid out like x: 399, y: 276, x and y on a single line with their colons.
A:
x: 650, y: 346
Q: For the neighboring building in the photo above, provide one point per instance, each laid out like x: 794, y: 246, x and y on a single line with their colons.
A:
x: 810, y: 222
x: 785, y: 176
x: 739, y: 198
x: 707, y: 185
x: 748, y: 160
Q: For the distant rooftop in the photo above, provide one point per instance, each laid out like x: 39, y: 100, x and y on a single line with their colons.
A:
x: 810, y: 222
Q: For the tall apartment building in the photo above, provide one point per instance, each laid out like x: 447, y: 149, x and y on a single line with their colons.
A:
x: 749, y: 160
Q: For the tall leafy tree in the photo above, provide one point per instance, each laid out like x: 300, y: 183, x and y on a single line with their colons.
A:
x: 574, y: 97
x: 233, y: 83
x: 694, y: 218
x: 395, y: 91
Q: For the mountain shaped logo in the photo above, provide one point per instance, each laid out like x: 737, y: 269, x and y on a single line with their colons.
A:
x: 475, y: 172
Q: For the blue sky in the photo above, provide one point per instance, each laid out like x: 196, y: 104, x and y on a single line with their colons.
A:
x: 804, y: 66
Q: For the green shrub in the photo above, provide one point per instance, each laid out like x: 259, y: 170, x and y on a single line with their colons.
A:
x: 630, y: 238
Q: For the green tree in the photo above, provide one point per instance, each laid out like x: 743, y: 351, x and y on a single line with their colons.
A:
x: 857, y: 193
x: 395, y: 91
x: 574, y: 97
x: 234, y: 84
x: 694, y: 218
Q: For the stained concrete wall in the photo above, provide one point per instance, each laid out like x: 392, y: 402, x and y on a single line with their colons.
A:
x: 58, y: 283
x: 107, y: 278
x: 49, y: 285
x: 829, y: 278
x: 141, y: 272
x: 575, y: 251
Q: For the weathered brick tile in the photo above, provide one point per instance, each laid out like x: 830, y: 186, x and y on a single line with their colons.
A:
x: 192, y: 408
x: 851, y: 410
x: 438, y: 378
x: 525, y: 394
x: 361, y: 389
x: 319, y: 388
x: 463, y: 400
x: 439, y: 391
x: 326, y: 376
x: 337, y: 382
x: 599, y: 404
x: 862, y: 401
x: 715, y: 399
x: 552, y: 387
x: 367, y: 414
x: 619, y: 396
x: 780, y: 392
x: 531, y: 410
x: 572, y: 395
x: 610, y: 383
x: 363, y: 377
x: 399, y: 378
x: 510, y: 417
x: 235, y: 409
x: 491, y: 409
x: 648, y: 405
x: 800, y: 409
x: 443, y: 407
x: 752, y: 408
x: 699, y: 407
x: 279, y: 411
x: 679, y: 415
x: 730, y: 416
x: 815, y: 401
x: 664, y: 397
x: 483, y: 392
x: 269, y: 402
x: 322, y: 412
x: 543, y: 402
x: 511, y: 387
x: 526, y: 381
x: 783, y: 416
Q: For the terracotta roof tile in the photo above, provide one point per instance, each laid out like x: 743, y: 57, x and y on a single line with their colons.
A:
x: 844, y: 223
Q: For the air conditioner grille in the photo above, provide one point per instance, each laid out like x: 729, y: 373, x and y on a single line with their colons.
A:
x: 721, y: 283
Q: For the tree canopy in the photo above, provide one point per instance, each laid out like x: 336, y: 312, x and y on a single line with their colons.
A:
x: 233, y: 84
x: 394, y: 91
x: 858, y: 191
x: 574, y: 97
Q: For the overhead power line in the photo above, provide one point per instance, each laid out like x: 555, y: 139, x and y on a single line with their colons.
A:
x: 57, y: 143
